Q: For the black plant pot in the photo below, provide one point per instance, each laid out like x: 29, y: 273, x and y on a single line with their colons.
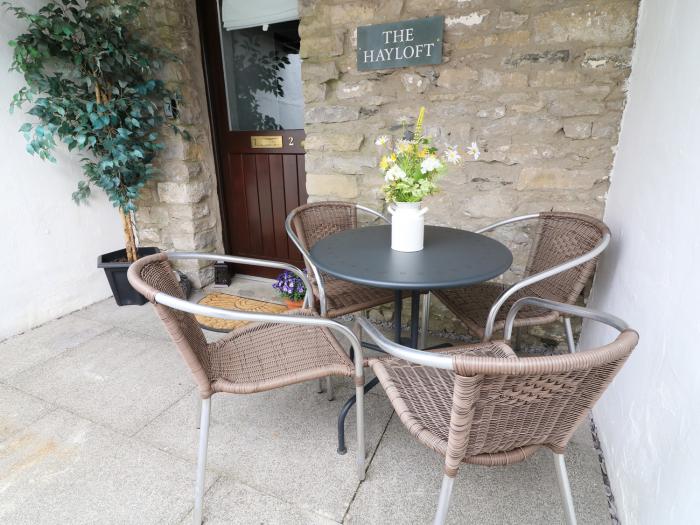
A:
x: 124, y: 293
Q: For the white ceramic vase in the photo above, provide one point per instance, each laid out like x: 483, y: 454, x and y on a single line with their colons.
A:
x: 407, y: 226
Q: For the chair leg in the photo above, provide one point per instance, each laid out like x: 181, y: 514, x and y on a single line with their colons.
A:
x: 444, y: 501
x: 569, y: 335
x: 425, y: 321
x: 329, y: 388
x: 201, y: 461
x: 361, y: 450
x: 320, y: 388
x: 565, y: 489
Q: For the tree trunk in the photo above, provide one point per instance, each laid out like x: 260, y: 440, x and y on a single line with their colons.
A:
x: 129, y: 237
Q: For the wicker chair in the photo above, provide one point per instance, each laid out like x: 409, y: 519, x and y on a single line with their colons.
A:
x: 562, y: 259
x: 482, y: 405
x: 308, y: 224
x: 273, y: 351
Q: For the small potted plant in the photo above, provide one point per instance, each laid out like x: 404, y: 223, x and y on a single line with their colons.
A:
x: 291, y: 288
x: 410, y: 167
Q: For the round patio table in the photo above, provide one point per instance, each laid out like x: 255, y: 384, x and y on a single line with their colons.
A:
x: 450, y: 258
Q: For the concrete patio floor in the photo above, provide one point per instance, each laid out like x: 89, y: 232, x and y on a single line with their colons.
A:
x: 98, y: 424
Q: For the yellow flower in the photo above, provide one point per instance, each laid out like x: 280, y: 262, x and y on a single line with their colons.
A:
x: 422, y: 153
x: 384, y: 163
x: 393, y: 157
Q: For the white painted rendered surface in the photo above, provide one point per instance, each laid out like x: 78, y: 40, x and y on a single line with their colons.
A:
x: 49, y: 246
x: 649, y: 420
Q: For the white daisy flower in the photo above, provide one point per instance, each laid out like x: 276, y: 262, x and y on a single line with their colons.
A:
x: 382, y: 140
x: 473, y: 150
x: 403, y: 120
x: 430, y: 164
x: 452, y: 156
x: 394, y: 173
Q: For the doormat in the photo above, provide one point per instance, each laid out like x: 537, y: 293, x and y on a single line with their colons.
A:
x: 233, y: 302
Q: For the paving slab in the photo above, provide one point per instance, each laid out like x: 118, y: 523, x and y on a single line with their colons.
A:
x: 403, y: 484
x: 141, y: 319
x: 231, y: 503
x: 64, y: 469
x: 18, y: 410
x: 121, y: 379
x: 46, y: 341
x: 281, y: 442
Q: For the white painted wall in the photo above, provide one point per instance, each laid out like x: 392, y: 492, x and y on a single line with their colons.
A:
x: 649, y: 420
x: 48, y: 245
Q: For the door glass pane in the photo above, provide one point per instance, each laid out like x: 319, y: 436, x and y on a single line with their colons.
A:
x: 263, y: 77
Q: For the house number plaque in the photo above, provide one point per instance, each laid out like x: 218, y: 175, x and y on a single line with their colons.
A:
x: 400, y: 44
x: 266, y: 141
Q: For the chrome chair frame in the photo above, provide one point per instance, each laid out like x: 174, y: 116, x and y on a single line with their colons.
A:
x: 446, y: 362
x: 240, y: 315
x: 530, y: 280
x: 323, y: 307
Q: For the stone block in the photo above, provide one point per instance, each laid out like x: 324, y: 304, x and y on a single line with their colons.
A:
x: 598, y: 22
x: 573, y: 106
x: 539, y: 57
x: 413, y: 83
x: 511, y: 20
x: 322, y: 46
x: 510, y: 39
x: 346, y: 90
x: 558, y: 178
x: 319, y: 72
x: 461, y: 22
x: 314, y: 92
x: 607, y: 58
x: 333, y: 141
x: 332, y: 185
x: 555, y: 78
x: 492, y: 79
x: 577, y: 128
x: 321, y: 114
x: 461, y: 78
x: 182, y: 193
x: 523, y: 125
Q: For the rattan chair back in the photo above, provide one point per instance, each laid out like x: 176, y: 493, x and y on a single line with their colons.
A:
x: 561, y: 237
x: 316, y: 221
x: 154, y: 274
x: 504, y: 409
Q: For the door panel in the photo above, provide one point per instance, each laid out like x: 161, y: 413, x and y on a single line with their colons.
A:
x: 254, y: 90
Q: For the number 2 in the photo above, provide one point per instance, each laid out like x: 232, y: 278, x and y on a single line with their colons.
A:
x: 291, y: 141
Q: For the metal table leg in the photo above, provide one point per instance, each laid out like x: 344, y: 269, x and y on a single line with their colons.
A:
x: 398, y: 299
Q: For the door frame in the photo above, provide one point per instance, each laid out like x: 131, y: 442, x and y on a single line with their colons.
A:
x: 212, y: 64
x: 209, y: 38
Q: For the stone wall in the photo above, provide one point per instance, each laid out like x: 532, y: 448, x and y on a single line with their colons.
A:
x: 538, y: 84
x: 179, y: 209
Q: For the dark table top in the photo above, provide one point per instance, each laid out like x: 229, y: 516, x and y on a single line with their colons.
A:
x: 450, y: 258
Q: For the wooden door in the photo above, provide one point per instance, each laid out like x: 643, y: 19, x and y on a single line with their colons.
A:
x: 256, y: 106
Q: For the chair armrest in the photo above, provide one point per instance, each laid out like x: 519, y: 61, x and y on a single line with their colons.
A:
x: 308, y: 298
x: 532, y: 279
x: 507, y: 221
x: 412, y: 355
x: 258, y: 317
x: 569, y: 309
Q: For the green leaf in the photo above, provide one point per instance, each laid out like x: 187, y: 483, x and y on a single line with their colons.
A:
x: 25, y: 127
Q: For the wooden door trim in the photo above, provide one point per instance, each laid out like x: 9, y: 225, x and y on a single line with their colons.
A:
x: 207, y: 20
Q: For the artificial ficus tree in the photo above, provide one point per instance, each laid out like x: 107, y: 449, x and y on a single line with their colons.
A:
x: 91, y: 83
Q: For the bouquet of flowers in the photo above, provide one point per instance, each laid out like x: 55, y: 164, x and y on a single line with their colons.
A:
x: 411, y: 165
x: 290, y: 286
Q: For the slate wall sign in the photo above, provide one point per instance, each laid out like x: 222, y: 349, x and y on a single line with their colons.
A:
x: 400, y: 44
